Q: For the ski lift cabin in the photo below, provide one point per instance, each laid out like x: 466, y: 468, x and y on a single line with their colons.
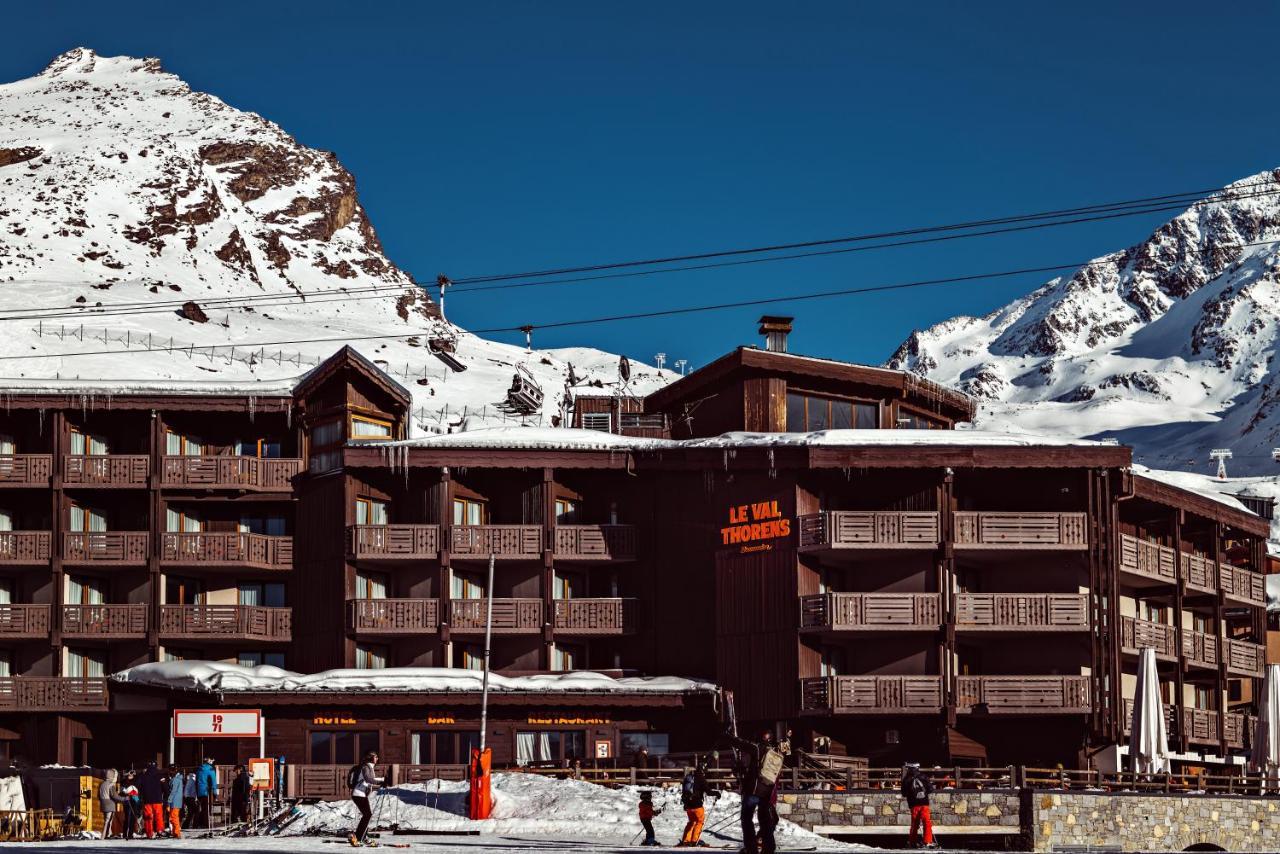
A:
x: 525, y: 395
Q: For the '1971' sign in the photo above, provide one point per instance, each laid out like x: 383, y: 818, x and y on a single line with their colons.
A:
x: 751, y: 526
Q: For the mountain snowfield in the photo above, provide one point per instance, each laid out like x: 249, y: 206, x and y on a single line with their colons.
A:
x: 123, y: 190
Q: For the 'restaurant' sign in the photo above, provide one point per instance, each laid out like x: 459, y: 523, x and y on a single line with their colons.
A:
x: 567, y: 721
x: 753, y: 526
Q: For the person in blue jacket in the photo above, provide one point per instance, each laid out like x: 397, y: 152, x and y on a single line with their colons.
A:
x: 174, y: 800
x: 206, y: 790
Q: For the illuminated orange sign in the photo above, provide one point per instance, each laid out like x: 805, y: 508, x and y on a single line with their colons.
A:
x: 332, y: 720
x: 751, y: 526
x: 440, y: 719
x: 567, y: 721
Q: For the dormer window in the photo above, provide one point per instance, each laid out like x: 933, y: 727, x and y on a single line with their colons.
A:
x: 364, y: 427
x: 807, y: 413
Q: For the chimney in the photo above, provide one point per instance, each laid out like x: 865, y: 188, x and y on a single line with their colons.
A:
x: 775, y: 331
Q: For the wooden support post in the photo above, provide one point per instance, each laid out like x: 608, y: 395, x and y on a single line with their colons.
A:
x: 1179, y: 597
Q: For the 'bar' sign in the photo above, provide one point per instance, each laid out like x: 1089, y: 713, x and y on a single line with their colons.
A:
x: 217, y: 723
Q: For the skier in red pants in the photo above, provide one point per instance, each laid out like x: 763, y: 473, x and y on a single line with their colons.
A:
x: 916, y: 788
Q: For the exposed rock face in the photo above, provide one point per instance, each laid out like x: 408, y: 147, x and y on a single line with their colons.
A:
x: 1179, y: 330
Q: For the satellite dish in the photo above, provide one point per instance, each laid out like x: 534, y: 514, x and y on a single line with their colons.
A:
x: 624, y: 369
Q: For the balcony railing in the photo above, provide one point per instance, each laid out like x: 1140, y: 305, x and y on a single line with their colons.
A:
x: 858, y: 529
x: 20, y: 547
x: 1024, y: 695
x: 595, y: 542
x: 104, y: 621
x: 23, y: 621
x: 1170, y: 720
x: 225, y: 622
x: 1245, y: 658
x: 393, y: 542
x: 107, y: 470
x: 1138, y: 634
x: 871, y: 695
x: 595, y: 616
x: 1202, y: 725
x: 230, y: 472
x: 1021, y: 530
x: 1041, y: 612
x: 510, y: 616
x: 1198, y: 572
x: 228, y: 548
x: 25, y: 469
x: 1147, y: 559
x: 1200, y: 649
x: 1243, y: 585
x: 1238, y: 729
x: 393, y: 616
x: 52, y: 694
x: 106, y: 547
x: 501, y: 541
x: 844, y: 612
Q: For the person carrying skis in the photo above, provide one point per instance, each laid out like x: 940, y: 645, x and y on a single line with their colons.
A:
x: 363, y: 779
x: 759, y: 765
x: 916, y: 788
x: 693, y: 792
x: 647, y: 812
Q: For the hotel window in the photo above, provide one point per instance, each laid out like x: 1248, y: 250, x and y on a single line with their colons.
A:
x: 465, y: 585
x: 371, y: 511
x: 370, y: 657
x: 265, y: 594
x: 657, y: 743
x: 1203, y: 698
x: 442, y: 747
x: 173, y: 654
x: 1201, y: 623
x: 6, y: 517
x: 183, y: 591
x: 178, y: 445
x: 87, y: 444
x: 1153, y: 613
x: 7, y: 444
x: 566, y: 511
x: 566, y: 657
x: 6, y: 591
x: 567, y: 585
x: 550, y: 746
x: 325, y: 446
x: 470, y: 511
x: 264, y: 448
x: 177, y: 521
x: 274, y: 526
x: 83, y: 662
x: 371, y: 585
x: 83, y: 590
x: 6, y: 663
x: 87, y: 519
x: 255, y: 658
x: 342, y: 748
x: 909, y: 420
x: 807, y: 413
x: 468, y: 656
x: 363, y: 427
x: 833, y: 661
x: 601, y: 421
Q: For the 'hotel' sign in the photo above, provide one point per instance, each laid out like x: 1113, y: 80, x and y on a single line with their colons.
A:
x: 752, y: 526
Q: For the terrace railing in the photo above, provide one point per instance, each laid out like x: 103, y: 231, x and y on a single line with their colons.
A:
x: 1021, y: 530
x: 1049, y: 612
x: 870, y: 611
x: 864, y: 529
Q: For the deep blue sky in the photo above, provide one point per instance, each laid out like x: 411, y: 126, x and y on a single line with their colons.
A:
x: 493, y: 137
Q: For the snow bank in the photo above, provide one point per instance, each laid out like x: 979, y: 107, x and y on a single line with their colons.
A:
x: 214, y: 676
x: 533, y: 805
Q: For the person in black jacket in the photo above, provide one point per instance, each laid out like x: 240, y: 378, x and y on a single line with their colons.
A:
x: 757, y: 794
x: 240, y: 796
x: 916, y: 788
x: 151, y: 791
x: 693, y: 793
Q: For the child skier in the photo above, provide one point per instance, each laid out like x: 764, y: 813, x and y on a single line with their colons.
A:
x: 647, y: 812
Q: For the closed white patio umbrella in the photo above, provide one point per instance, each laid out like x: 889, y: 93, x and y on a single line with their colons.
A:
x: 1148, y: 740
x: 1264, y: 757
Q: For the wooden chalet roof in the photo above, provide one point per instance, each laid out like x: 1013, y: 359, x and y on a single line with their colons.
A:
x: 1202, y: 505
x: 349, y: 357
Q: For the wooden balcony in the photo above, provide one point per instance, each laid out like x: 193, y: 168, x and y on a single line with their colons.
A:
x: 1022, y: 612
x: 52, y: 694
x: 1198, y: 573
x: 1148, y: 560
x: 227, y: 548
x: 1245, y: 658
x: 1033, y: 531
x: 870, y: 612
x: 510, y: 616
x: 871, y: 695
x: 29, y: 470
x: 106, y: 548
x: 1202, y: 725
x: 24, y: 621
x: 25, y: 547
x: 594, y: 542
x: 393, y: 542
x: 1238, y: 729
x: 1200, y: 649
x: 501, y: 541
x: 1024, y: 695
x: 1243, y: 585
x: 837, y: 530
x: 106, y: 471
x: 1136, y: 635
x: 109, y: 622
x: 225, y: 622
x: 393, y: 616
x: 607, y: 617
x: 1170, y: 719
x: 229, y: 472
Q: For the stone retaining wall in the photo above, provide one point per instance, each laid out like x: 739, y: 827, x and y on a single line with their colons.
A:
x: 857, y: 810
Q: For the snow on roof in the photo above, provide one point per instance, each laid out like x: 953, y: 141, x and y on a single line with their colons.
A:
x: 1201, y: 484
x: 574, y: 439
x: 218, y: 677
x: 123, y: 388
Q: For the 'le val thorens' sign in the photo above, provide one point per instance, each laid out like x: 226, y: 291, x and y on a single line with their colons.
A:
x: 752, y: 526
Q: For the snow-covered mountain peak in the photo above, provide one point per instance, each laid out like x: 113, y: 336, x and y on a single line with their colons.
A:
x: 119, y: 184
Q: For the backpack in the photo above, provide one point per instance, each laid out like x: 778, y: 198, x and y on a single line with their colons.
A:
x: 770, y: 769
x: 353, y: 776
